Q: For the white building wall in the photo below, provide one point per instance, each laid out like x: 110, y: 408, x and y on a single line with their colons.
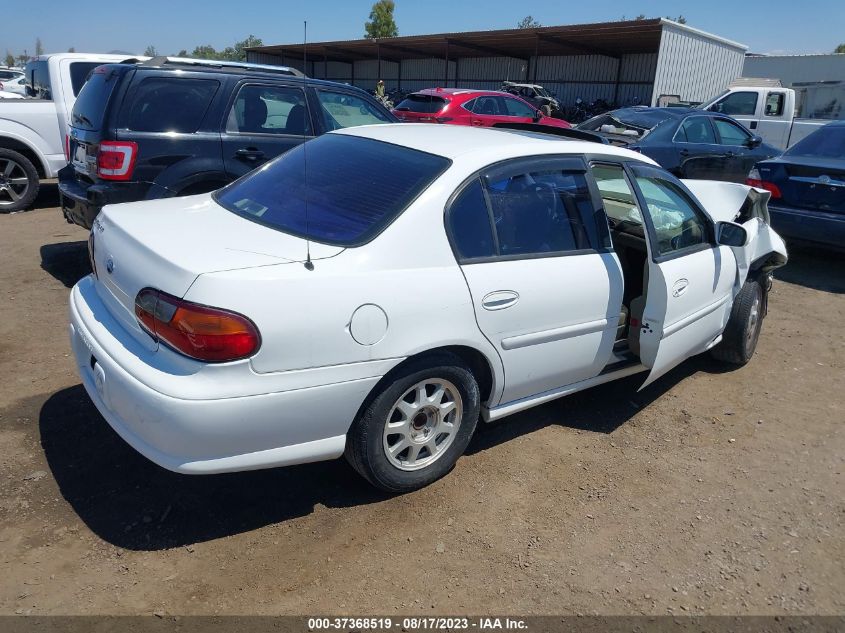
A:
x: 792, y: 69
x: 694, y: 65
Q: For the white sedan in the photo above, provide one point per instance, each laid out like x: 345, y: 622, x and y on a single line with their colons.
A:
x: 378, y: 290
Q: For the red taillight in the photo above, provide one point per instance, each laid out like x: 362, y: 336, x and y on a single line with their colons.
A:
x: 764, y: 184
x: 198, y: 331
x: 116, y: 160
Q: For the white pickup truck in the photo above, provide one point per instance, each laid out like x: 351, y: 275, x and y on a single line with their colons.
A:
x: 771, y: 112
x: 32, y: 130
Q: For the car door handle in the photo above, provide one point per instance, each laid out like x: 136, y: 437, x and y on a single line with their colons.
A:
x: 680, y: 287
x: 730, y: 154
x: 684, y: 152
x: 249, y: 153
x: 477, y: 122
x: 499, y: 299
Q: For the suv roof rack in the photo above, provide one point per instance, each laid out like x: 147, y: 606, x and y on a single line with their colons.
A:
x: 214, y: 63
x: 570, y: 133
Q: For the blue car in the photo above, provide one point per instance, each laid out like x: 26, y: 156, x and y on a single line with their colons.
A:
x: 689, y: 143
x: 807, y: 184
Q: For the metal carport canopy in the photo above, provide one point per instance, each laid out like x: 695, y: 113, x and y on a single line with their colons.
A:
x: 610, y: 39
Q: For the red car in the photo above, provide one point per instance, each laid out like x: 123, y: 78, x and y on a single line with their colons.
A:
x: 469, y: 107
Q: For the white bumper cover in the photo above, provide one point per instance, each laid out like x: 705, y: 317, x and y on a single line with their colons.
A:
x: 211, y: 435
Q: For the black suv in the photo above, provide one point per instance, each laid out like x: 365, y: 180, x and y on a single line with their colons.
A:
x: 176, y: 127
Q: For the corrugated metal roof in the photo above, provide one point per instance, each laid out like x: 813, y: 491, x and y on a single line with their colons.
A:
x: 611, y: 39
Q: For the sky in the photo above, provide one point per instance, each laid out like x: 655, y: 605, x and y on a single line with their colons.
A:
x: 773, y: 26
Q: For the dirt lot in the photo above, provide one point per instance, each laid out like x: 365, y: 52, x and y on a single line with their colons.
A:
x: 709, y: 492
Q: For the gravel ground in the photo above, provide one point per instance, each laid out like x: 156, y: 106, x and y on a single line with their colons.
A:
x: 709, y: 492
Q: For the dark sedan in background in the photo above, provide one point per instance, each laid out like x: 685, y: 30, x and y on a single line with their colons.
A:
x: 807, y: 185
x: 688, y: 142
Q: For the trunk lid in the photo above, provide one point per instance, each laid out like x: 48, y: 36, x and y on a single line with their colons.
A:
x: 808, y: 182
x: 166, y: 244
x: 420, y: 108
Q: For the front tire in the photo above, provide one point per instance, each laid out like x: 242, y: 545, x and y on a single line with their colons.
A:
x: 739, y: 340
x: 18, y: 181
x: 417, y: 426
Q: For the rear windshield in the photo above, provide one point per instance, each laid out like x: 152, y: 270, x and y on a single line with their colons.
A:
x: 90, y: 106
x: 38, y: 78
x: 425, y: 104
x: 627, y: 122
x: 828, y: 142
x: 353, y: 188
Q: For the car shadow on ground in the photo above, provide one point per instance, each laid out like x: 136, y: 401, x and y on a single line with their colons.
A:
x: 814, y: 267
x: 66, y: 261
x: 48, y: 196
x: 132, y: 503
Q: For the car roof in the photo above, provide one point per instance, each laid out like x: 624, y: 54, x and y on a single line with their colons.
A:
x: 453, y: 141
x: 448, y: 92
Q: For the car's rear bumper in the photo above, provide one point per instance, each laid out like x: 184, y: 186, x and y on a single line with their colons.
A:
x: 81, y: 203
x: 820, y: 227
x: 213, y: 434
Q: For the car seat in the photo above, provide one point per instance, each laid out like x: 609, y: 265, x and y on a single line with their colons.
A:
x: 297, y: 122
x: 255, y: 115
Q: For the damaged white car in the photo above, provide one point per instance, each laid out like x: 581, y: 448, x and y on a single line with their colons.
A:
x: 379, y: 290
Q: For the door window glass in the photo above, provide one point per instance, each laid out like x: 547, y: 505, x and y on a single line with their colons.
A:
x: 513, y: 107
x: 541, y: 212
x: 170, y: 104
x: 469, y: 224
x: 486, y: 106
x: 678, y: 225
x: 342, y: 109
x: 738, y: 103
x: 269, y: 110
x: 620, y: 204
x: 774, y: 104
x: 696, y: 129
x: 730, y: 133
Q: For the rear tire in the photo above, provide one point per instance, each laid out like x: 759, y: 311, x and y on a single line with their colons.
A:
x: 739, y: 340
x: 415, y: 429
x: 18, y: 181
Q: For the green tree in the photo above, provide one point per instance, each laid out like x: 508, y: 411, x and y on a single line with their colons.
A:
x: 39, y: 48
x: 10, y: 59
x: 839, y: 49
x: 71, y: 50
x: 150, y: 51
x: 249, y: 42
x: 381, y: 22
x: 182, y: 53
x: 528, y: 22
x: 205, y: 51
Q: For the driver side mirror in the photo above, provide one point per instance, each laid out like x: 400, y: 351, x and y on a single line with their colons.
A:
x: 754, y: 141
x: 731, y: 234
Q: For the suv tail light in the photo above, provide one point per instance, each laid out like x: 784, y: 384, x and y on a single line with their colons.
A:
x: 116, y: 159
x: 198, y: 331
x: 754, y: 180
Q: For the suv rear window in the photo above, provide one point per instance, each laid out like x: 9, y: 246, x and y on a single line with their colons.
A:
x: 90, y: 106
x: 170, y: 104
x: 354, y: 187
x: 425, y: 104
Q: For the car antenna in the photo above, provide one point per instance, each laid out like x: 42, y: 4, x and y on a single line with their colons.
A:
x: 309, y: 265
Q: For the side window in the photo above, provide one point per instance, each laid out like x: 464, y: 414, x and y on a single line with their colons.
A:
x: 696, y: 129
x: 269, y: 110
x: 39, y: 80
x: 486, y: 105
x: 79, y: 72
x: 678, y: 225
x: 170, y: 104
x: 469, y: 224
x: 517, y: 108
x: 540, y: 212
x: 470, y: 105
x: 738, y: 103
x: 620, y: 204
x: 730, y: 133
x: 342, y: 109
x: 774, y: 104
